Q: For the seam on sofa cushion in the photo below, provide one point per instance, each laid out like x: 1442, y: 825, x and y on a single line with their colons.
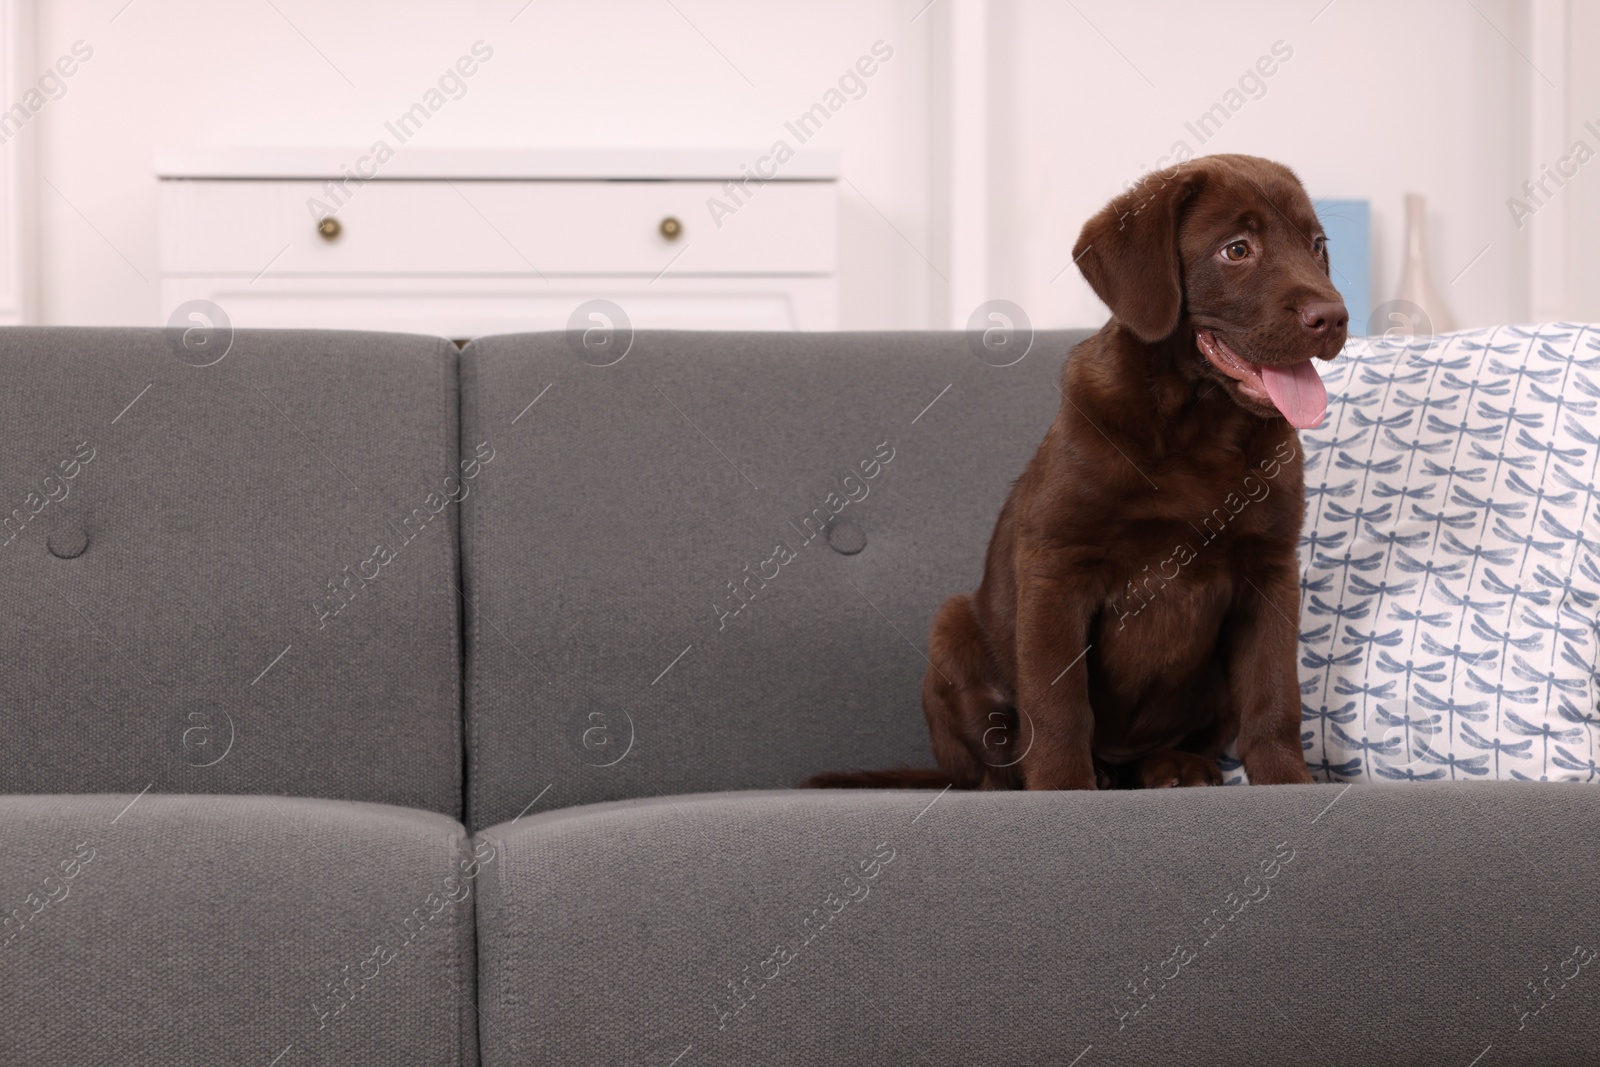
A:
x: 507, y: 955
x: 458, y: 635
x: 452, y: 563
x: 470, y: 401
x: 459, y: 845
x: 457, y: 947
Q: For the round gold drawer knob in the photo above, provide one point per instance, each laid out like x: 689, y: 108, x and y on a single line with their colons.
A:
x: 671, y: 228
x: 329, y: 229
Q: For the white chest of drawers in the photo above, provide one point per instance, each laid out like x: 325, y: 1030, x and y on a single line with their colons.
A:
x: 469, y: 242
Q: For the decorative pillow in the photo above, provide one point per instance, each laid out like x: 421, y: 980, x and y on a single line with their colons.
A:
x: 1449, y: 573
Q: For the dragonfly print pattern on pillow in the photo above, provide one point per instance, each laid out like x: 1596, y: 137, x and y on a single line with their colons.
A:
x: 1450, y: 560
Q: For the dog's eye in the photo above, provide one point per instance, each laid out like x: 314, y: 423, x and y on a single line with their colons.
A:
x: 1320, y: 245
x: 1236, y: 251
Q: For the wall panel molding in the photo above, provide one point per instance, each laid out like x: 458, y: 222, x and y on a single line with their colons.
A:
x: 18, y: 187
x: 964, y: 60
x: 1548, y: 87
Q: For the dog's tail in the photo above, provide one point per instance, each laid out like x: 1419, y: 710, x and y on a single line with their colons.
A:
x: 898, y: 778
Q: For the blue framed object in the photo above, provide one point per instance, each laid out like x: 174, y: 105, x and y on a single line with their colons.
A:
x: 1348, y: 224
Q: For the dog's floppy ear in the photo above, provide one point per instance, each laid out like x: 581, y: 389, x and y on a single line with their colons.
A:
x: 1129, y: 253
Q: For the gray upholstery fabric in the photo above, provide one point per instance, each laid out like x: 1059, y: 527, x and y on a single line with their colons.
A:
x: 599, y: 557
x: 160, y: 626
x: 201, y: 930
x: 1388, y: 925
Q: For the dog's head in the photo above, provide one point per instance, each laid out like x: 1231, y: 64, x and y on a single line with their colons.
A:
x: 1229, y: 248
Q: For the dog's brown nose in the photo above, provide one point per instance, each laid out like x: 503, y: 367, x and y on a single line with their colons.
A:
x: 1323, y: 317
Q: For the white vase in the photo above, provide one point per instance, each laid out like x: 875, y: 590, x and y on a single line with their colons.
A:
x: 1416, y: 286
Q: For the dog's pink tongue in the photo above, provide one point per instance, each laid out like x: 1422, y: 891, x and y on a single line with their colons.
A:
x: 1298, y: 391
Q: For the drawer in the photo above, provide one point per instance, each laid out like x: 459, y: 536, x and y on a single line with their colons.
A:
x: 605, y: 228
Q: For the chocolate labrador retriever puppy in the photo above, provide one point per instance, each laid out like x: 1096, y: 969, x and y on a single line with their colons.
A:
x: 1140, y: 596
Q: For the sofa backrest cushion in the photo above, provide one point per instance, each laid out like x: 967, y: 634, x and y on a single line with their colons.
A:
x: 712, y: 563
x: 237, y: 577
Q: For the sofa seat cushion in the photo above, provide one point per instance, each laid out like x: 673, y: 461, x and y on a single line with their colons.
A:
x: 1451, y: 585
x: 1204, y: 927
x: 200, y: 930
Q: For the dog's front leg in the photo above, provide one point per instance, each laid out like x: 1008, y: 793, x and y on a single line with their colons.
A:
x: 1054, y: 721
x: 1263, y: 639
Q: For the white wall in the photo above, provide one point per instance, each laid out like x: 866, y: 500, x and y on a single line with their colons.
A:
x: 1380, y: 98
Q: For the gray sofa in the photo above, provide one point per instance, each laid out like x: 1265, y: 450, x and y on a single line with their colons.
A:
x: 369, y: 702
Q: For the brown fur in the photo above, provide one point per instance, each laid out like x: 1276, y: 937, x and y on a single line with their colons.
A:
x: 1140, y: 593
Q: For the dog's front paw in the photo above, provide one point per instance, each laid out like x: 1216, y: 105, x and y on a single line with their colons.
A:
x: 1058, y: 777
x: 1104, y: 776
x: 1277, y: 766
x: 1169, y: 769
